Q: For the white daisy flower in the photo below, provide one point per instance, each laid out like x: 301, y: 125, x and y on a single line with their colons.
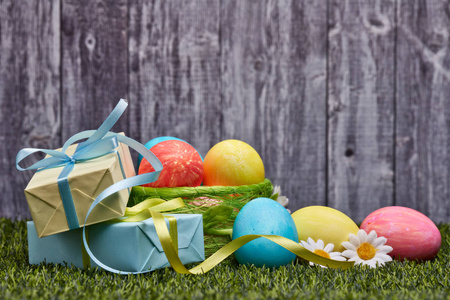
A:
x: 283, y: 200
x: 319, y: 248
x: 367, y: 249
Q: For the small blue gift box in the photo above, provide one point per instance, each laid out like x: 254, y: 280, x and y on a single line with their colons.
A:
x: 125, y: 246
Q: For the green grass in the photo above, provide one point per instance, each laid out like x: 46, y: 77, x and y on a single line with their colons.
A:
x: 397, y: 280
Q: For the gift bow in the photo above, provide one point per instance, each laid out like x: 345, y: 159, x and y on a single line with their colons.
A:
x: 94, y: 147
x: 99, y: 142
x: 59, y: 158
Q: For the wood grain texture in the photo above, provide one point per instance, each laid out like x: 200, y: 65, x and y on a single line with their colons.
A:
x: 94, y: 63
x: 346, y: 101
x: 274, y: 90
x: 29, y: 92
x: 423, y: 108
x: 361, y: 106
x: 175, y: 71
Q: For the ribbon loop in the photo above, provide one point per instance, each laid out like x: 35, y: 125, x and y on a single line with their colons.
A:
x: 99, y: 142
x: 100, y: 148
x: 142, y: 211
x: 57, y: 158
x: 94, y: 147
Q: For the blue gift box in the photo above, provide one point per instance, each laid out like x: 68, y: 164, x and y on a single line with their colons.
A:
x: 125, y: 246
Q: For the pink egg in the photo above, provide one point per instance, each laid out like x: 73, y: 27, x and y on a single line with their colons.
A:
x: 412, y: 234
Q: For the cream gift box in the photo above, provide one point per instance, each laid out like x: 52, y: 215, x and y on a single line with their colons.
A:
x: 86, y: 181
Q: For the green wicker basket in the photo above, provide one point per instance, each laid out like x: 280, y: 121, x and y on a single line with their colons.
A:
x: 218, y: 204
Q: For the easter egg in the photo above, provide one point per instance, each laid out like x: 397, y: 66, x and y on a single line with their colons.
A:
x: 233, y: 162
x: 325, y: 223
x: 153, y: 142
x: 182, y: 165
x: 410, y: 233
x: 264, y: 216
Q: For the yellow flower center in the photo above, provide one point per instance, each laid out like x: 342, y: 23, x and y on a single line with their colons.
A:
x: 366, y: 251
x: 321, y: 253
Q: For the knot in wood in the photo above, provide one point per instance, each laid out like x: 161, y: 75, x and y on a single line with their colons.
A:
x: 258, y: 65
x: 377, y: 23
x: 437, y: 41
x: 349, y: 152
x: 90, y: 41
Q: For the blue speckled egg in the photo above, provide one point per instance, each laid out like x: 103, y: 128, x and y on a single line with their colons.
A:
x: 158, y: 140
x: 264, y: 216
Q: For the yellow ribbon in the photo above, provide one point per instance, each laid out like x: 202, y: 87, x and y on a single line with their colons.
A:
x: 171, y: 251
x: 143, y: 211
x: 151, y: 208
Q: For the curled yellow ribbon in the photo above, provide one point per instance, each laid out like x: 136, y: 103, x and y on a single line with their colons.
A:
x: 151, y: 208
x: 231, y: 247
x: 141, y: 211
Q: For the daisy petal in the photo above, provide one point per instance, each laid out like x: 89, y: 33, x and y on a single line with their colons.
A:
x: 385, y: 249
x: 320, y: 244
x: 379, y: 261
x: 349, y: 246
x: 362, y: 236
x: 328, y: 248
x: 350, y: 254
x: 335, y: 254
x: 276, y: 190
x: 306, y: 246
x: 354, y: 240
x: 387, y: 258
x: 371, y: 237
x: 370, y: 263
x: 338, y: 257
x: 383, y: 257
x: 311, y: 242
x: 283, y: 200
x: 379, y: 241
x: 356, y: 259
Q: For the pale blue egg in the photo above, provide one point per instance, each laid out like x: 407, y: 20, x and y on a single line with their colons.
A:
x: 264, y: 216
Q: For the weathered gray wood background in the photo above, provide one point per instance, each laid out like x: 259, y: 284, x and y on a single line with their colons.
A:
x: 347, y: 102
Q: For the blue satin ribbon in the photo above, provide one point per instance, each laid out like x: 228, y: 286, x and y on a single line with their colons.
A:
x: 124, y: 184
x: 99, y: 142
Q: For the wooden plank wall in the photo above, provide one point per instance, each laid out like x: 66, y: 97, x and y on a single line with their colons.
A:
x: 346, y: 101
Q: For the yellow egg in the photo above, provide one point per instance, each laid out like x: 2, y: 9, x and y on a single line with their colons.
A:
x: 325, y: 223
x: 232, y: 162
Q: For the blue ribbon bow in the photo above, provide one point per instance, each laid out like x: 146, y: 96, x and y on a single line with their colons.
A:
x: 99, y: 142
